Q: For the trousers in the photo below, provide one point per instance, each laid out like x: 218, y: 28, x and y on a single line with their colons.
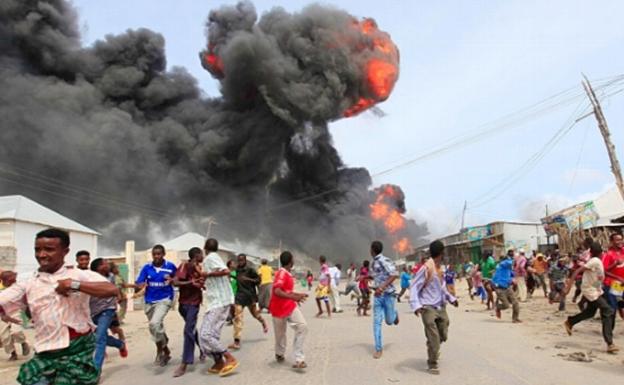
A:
x: 436, y: 324
x: 296, y: 321
x: 156, y: 313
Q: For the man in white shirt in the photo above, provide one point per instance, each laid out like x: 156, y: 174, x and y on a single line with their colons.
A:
x: 335, y: 274
x: 591, y: 288
x: 219, y: 298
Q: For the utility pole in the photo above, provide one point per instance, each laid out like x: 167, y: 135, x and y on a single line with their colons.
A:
x: 464, y: 215
x: 547, y: 236
x: 606, y: 135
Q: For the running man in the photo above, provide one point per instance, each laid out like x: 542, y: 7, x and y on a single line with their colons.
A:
x: 352, y: 283
x: 502, y: 281
x: 428, y: 298
x: 190, y: 283
x: 284, y: 309
x: 246, y: 297
x: 219, y: 299
x: 11, y: 331
x: 384, y: 273
x: 323, y: 289
x: 58, y: 299
x: 405, y: 282
x: 103, y: 312
x: 363, y: 281
x: 157, y: 278
x: 335, y: 273
x: 266, y: 280
x: 591, y: 289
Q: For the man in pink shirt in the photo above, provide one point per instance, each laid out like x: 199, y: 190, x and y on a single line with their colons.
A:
x: 58, y: 299
x: 520, y: 274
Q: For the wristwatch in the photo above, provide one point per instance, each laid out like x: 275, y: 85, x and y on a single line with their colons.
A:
x: 75, y: 285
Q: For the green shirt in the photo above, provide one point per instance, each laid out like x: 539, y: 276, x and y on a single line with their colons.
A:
x: 488, y: 268
x: 233, y: 282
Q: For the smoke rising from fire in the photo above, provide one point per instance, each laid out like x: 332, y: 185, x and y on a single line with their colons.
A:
x: 109, y: 126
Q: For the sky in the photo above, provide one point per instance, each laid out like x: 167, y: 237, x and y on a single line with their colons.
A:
x: 464, y: 66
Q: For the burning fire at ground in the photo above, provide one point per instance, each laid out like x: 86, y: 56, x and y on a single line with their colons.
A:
x: 388, y: 210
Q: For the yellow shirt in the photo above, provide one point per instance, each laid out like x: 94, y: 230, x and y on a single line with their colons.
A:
x: 266, y: 274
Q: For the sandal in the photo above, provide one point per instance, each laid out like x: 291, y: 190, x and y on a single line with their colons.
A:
x: 279, y: 358
x: 300, y: 365
x: 229, y: 368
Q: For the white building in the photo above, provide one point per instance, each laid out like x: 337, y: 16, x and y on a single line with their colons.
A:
x: 21, y: 219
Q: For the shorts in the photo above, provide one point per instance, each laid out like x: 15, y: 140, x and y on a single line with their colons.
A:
x: 322, y: 293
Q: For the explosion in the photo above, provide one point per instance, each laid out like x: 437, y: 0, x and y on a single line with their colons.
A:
x: 388, y: 210
x: 261, y: 150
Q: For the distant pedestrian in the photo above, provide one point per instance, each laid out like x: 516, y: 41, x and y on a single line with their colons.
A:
x: 428, y: 299
x: 488, y: 266
x: 121, y: 284
x: 157, y: 278
x: 406, y: 277
x: 502, y: 281
x: 190, y: 282
x: 558, y: 276
x: 363, y: 285
x: 477, y: 281
x: 540, y: 271
x: 309, y: 279
x: 323, y: 289
x: 285, y: 311
x: 449, y: 278
x: 591, y: 289
x: 352, y: 283
x: 384, y: 273
x: 219, y: 298
x: 520, y: 275
x: 335, y: 274
x: 266, y: 280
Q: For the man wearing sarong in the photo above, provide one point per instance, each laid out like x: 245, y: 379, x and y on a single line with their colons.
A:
x: 58, y: 299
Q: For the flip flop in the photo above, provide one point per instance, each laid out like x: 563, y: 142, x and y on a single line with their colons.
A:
x: 300, y: 365
x: 229, y: 368
x: 214, y: 371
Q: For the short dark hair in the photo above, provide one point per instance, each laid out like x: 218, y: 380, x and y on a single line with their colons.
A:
x: 595, y: 249
x: 62, y: 235
x: 613, y: 235
x: 366, y: 263
x: 193, y: 252
x: 264, y: 261
x: 242, y: 255
x: 159, y: 247
x: 286, y: 258
x: 82, y: 252
x: 377, y: 247
x: 322, y: 259
x: 339, y: 266
x: 436, y: 248
x: 588, y: 242
x: 96, y: 263
x: 211, y: 245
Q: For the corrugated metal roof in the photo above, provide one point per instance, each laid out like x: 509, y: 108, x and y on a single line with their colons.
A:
x: 20, y: 208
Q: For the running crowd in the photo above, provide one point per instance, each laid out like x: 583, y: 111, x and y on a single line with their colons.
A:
x: 72, y: 309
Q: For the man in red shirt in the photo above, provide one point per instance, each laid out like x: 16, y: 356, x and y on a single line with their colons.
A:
x: 614, y: 276
x: 190, y: 282
x: 283, y: 307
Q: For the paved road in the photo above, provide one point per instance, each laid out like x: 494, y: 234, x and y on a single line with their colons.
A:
x: 481, y: 350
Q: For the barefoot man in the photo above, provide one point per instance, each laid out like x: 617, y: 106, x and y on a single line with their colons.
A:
x: 58, y: 299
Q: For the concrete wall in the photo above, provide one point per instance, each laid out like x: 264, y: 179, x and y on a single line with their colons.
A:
x: 24, y: 241
x: 527, y: 236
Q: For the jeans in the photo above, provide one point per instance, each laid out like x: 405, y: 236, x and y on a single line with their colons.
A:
x: 102, y: 338
x: 383, y: 307
x: 189, y: 313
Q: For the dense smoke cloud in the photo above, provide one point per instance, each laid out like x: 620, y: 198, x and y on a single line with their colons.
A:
x: 106, y: 135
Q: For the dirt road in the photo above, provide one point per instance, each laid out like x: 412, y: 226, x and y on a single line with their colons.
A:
x: 482, y: 350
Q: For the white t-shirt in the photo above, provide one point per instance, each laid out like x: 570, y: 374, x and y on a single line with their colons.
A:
x: 335, y: 275
x: 218, y: 289
x: 351, y: 275
x: 591, y: 285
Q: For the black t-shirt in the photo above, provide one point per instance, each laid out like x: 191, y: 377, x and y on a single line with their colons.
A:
x: 247, y: 293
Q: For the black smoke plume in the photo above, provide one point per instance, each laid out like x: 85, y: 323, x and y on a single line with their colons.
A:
x: 108, y: 136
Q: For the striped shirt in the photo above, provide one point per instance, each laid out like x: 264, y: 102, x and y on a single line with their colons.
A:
x: 52, y: 314
x: 218, y: 289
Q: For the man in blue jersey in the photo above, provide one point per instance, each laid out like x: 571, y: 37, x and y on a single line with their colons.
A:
x: 503, y: 283
x: 157, y: 278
